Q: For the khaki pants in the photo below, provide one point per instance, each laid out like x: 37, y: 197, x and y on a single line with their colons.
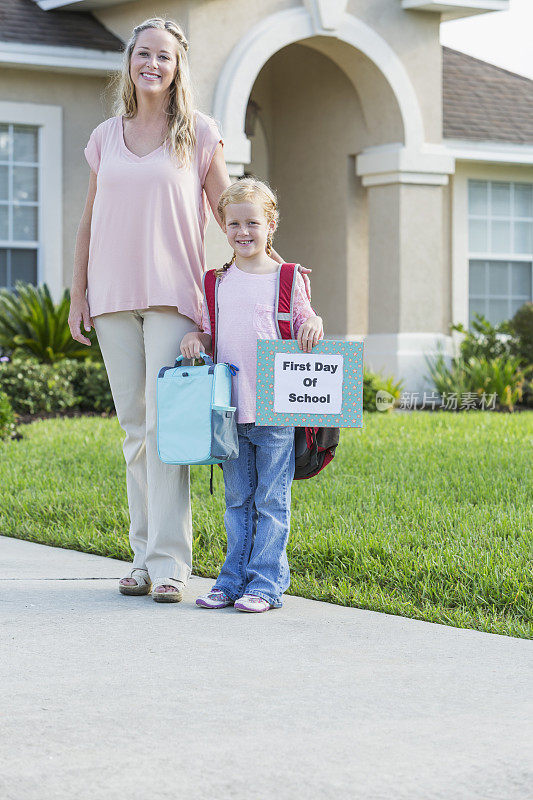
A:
x: 135, y: 345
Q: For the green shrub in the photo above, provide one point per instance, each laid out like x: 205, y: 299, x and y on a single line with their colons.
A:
x: 90, y: 384
x: 372, y: 383
x: 484, y: 340
x: 7, y: 418
x: 34, y: 388
x: 521, y: 326
x: 480, y: 376
x: 31, y: 325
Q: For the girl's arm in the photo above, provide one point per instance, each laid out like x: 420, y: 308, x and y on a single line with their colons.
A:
x: 79, y: 308
x: 307, y: 325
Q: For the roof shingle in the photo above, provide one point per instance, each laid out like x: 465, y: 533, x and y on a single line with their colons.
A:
x: 484, y: 102
x: 24, y: 21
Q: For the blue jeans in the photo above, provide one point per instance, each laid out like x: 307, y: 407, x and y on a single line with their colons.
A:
x: 258, y: 513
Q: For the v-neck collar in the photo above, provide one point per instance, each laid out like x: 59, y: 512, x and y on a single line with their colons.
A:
x: 134, y: 156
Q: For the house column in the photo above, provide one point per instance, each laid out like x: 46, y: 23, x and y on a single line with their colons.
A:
x: 409, y: 284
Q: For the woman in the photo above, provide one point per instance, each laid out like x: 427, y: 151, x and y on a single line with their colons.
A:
x: 139, y: 259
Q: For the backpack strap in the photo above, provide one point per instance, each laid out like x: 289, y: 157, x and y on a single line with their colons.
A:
x: 210, y: 286
x: 285, y: 287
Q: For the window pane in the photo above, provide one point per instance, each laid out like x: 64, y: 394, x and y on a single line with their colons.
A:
x: 25, y: 183
x: 25, y: 223
x: 500, y: 237
x: 479, y: 242
x: 523, y: 200
x: 3, y: 222
x: 24, y: 143
x: 476, y: 306
x: 521, y: 279
x: 500, y: 199
x: 478, y: 197
x: 4, y: 142
x: 3, y: 267
x: 498, y: 311
x: 523, y: 237
x: 515, y: 305
x: 477, y: 277
x: 3, y: 183
x: 498, y: 278
x: 24, y: 266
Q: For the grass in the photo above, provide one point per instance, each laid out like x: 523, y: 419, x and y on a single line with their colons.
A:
x: 428, y: 516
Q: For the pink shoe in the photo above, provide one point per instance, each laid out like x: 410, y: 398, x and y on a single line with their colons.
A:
x: 214, y: 599
x: 251, y: 602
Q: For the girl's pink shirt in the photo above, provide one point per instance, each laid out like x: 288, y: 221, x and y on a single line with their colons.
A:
x: 148, y: 223
x: 246, y: 305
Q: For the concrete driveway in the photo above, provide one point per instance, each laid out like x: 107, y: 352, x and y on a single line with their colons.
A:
x: 106, y: 696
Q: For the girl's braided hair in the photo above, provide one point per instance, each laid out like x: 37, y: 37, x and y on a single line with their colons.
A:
x: 249, y: 190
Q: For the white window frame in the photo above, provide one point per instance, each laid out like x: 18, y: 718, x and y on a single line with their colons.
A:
x: 49, y: 120
x: 466, y: 170
x: 490, y: 255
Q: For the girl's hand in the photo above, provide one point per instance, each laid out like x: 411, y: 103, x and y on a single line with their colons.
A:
x: 195, y: 343
x: 309, y: 333
x: 304, y: 271
x: 79, y: 310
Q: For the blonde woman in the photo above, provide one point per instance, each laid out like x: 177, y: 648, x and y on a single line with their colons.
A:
x: 155, y: 168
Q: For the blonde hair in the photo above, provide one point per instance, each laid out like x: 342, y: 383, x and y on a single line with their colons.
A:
x: 249, y: 190
x: 180, y: 109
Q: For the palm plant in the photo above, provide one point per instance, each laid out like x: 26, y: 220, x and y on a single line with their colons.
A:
x: 31, y: 324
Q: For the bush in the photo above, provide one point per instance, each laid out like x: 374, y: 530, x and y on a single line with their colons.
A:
x: 34, y: 388
x: 8, y: 428
x: 372, y: 383
x: 90, y: 384
x: 31, y: 325
x: 480, y: 376
x: 484, y: 340
x: 521, y: 326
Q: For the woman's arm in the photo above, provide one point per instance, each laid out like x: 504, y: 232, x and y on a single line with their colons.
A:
x: 216, y: 180
x: 79, y: 308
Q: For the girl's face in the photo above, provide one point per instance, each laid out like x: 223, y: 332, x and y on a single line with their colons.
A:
x: 247, y: 228
x: 154, y: 61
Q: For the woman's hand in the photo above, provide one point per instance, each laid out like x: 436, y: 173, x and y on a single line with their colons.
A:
x: 309, y: 333
x: 195, y: 343
x: 79, y: 311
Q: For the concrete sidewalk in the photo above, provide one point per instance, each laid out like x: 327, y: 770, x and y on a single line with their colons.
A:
x: 106, y: 696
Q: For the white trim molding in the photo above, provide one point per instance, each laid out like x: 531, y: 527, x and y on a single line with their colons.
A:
x: 393, y: 163
x: 489, y: 152
x: 292, y: 25
x: 50, y: 121
x: 55, y: 58
x: 453, y: 9
x: 403, y: 355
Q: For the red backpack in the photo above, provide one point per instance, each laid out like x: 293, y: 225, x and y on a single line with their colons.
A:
x: 314, y: 447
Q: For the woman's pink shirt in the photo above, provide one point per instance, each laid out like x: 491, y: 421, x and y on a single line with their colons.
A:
x: 246, y: 305
x: 148, y: 223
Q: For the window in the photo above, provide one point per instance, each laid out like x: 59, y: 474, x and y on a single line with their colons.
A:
x: 500, y: 232
x: 19, y: 203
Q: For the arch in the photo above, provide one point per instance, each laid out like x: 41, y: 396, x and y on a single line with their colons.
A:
x: 287, y: 27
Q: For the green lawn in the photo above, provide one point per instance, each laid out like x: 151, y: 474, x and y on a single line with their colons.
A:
x: 424, y: 515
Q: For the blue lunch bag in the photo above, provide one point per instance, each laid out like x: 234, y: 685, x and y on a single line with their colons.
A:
x: 195, y: 419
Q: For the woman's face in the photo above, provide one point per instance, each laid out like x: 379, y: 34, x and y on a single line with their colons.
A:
x: 247, y: 228
x: 154, y: 61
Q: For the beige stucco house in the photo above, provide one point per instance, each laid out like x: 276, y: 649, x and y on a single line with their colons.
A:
x: 404, y: 169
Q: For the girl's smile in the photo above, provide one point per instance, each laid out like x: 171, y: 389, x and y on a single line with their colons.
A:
x: 247, y: 229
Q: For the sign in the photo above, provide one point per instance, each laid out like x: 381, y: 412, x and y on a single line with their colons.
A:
x: 323, y: 388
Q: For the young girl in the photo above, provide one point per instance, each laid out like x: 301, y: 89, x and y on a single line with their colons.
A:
x: 258, y: 483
